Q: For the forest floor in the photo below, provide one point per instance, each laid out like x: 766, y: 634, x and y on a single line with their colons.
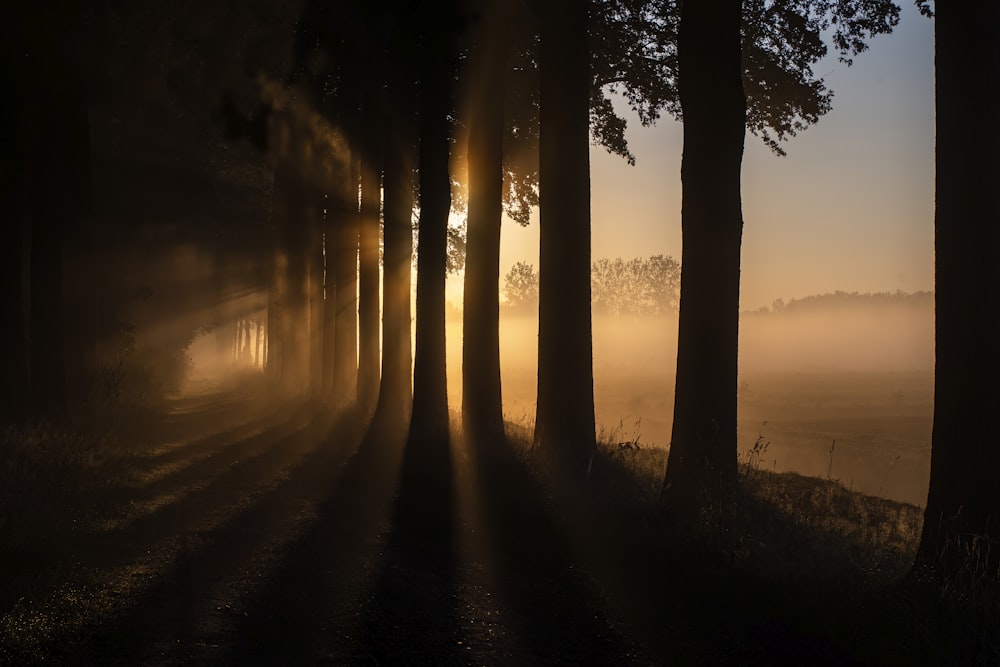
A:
x: 234, y: 529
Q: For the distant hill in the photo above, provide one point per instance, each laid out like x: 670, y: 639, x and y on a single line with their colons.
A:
x: 842, y: 301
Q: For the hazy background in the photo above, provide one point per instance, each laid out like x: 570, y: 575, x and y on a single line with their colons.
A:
x: 850, y: 208
x: 860, y: 374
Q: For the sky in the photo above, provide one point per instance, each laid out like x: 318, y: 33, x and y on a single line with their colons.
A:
x: 851, y: 207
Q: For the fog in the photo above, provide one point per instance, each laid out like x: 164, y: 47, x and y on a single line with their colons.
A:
x: 858, y: 375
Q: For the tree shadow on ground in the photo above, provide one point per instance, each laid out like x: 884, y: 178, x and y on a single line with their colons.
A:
x: 556, y: 612
x: 412, y: 615
x: 174, y: 591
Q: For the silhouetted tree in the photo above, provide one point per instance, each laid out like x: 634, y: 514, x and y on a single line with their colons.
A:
x: 345, y: 269
x: 487, y: 73
x: 637, y: 287
x: 47, y: 193
x: 703, y: 441
x: 723, y: 47
x: 438, y: 25
x: 565, y: 411
x: 395, y: 389
x: 521, y: 289
x: 962, y: 518
x: 368, y: 242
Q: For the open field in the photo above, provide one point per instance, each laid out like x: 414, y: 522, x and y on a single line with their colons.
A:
x: 847, y: 397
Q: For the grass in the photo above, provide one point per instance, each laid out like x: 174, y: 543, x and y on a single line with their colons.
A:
x: 833, y: 563
x: 49, y: 472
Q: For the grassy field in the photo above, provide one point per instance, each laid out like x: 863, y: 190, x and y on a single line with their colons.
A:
x: 848, y: 398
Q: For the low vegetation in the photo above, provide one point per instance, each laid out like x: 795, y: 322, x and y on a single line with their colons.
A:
x: 832, y: 564
x: 803, y: 566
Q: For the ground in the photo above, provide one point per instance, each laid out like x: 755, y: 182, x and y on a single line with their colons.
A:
x: 243, y: 530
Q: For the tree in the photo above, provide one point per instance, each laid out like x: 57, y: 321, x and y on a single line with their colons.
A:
x: 564, y: 420
x: 481, y: 394
x: 637, y: 287
x: 703, y: 440
x: 46, y: 196
x: 521, y: 289
x: 429, y: 424
x: 395, y: 388
x: 368, y: 260
x: 963, y: 504
x: 724, y: 50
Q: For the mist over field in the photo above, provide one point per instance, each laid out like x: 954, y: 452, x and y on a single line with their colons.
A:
x: 860, y: 374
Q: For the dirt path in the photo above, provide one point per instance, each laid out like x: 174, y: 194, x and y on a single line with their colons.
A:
x: 254, y: 533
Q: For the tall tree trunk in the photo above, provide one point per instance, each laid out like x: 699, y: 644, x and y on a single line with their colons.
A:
x: 331, y: 221
x: 345, y: 364
x: 275, y: 289
x: 245, y: 350
x: 313, y: 211
x: 962, y: 518
x: 259, y: 346
x: 395, y: 390
x: 368, y: 281
x: 702, y: 461
x: 14, y: 179
x: 53, y: 149
x: 429, y: 424
x: 291, y: 212
x: 565, y: 414
x: 482, y: 408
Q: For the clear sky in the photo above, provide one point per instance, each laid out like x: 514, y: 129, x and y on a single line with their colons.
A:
x: 851, y: 207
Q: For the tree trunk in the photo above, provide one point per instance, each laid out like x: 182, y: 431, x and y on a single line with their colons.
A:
x: 395, y: 390
x: 259, y: 346
x: 291, y: 212
x: 53, y: 157
x: 429, y: 424
x: 368, y: 280
x: 345, y: 364
x: 962, y: 519
x: 14, y: 230
x: 482, y: 407
x: 331, y: 221
x: 565, y: 414
x: 702, y: 462
x: 313, y: 211
x: 275, y: 294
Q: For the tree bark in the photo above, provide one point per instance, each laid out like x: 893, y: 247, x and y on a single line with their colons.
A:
x: 291, y: 211
x: 565, y: 412
x: 14, y: 178
x: 702, y: 462
x: 482, y: 407
x: 368, y: 279
x: 429, y: 424
x: 395, y: 389
x: 345, y: 267
x: 962, y: 519
x: 312, y: 211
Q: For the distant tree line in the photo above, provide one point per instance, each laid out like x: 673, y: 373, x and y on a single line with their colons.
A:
x: 841, y: 300
x: 634, y: 288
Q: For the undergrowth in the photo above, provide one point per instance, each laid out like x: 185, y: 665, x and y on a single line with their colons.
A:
x: 48, y: 471
x: 832, y: 562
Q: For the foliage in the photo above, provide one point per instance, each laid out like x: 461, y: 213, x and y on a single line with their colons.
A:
x: 635, y: 287
x: 521, y: 288
x: 634, y: 54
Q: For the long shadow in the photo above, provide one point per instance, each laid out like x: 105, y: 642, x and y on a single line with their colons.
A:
x: 195, y: 595
x: 557, y: 615
x: 312, y: 606
x: 412, y: 616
